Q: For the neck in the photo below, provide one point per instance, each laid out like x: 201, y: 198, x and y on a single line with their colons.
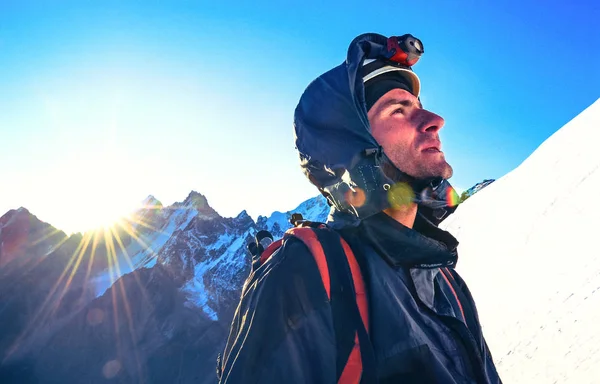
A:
x: 405, y: 215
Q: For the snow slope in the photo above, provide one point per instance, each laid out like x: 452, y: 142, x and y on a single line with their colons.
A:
x: 230, y: 256
x: 528, y: 251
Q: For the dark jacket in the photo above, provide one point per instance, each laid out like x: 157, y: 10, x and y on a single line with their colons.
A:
x: 422, y: 330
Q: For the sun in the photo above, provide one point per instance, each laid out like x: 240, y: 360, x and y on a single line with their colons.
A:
x: 96, y: 209
x: 97, y: 194
x: 102, y: 214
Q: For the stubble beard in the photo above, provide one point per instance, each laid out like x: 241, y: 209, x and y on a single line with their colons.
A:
x: 423, y: 168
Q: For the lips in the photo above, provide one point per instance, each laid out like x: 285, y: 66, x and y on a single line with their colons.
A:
x: 432, y: 147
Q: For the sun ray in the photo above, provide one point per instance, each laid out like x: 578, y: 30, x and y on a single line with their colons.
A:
x: 73, y: 272
x: 112, y: 261
x: 146, y: 225
x: 48, y: 235
x: 92, y: 257
x: 126, y: 304
x: 31, y: 264
x: 39, y: 315
x: 132, y: 233
x: 116, y: 236
x: 81, y: 248
x: 60, y: 243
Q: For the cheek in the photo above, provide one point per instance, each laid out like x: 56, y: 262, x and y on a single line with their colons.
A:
x: 379, y: 136
x: 393, y: 135
x: 384, y: 133
x: 394, y: 140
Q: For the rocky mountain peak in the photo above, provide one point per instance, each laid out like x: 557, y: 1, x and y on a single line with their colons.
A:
x: 151, y: 202
x: 199, y: 202
x: 244, y: 219
x: 242, y: 215
x: 14, y: 214
x: 20, y: 232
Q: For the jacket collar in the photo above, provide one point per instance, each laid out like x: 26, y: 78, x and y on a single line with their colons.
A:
x: 425, y: 246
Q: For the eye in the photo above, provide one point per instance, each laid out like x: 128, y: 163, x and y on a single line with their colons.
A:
x: 399, y: 110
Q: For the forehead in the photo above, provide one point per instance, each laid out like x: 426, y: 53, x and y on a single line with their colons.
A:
x: 399, y: 94
x: 395, y: 97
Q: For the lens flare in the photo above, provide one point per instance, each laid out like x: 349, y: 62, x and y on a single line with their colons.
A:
x: 401, y: 195
x: 95, y: 316
x: 452, y: 197
x: 356, y: 198
x: 111, y: 369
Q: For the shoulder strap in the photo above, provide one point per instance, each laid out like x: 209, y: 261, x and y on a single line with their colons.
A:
x: 269, y: 251
x: 344, y: 284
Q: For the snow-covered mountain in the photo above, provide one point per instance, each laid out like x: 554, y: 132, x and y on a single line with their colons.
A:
x: 528, y: 252
x: 204, y: 251
x: 162, y: 286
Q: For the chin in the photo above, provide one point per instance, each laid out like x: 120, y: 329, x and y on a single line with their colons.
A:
x: 447, y: 172
x: 430, y: 170
x: 444, y: 171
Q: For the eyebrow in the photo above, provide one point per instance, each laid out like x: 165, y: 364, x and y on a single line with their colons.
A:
x: 404, y: 103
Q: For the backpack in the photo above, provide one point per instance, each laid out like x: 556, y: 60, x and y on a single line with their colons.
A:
x: 345, y: 287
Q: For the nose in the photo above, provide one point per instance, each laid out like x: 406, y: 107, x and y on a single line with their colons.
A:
x: 430, y: 122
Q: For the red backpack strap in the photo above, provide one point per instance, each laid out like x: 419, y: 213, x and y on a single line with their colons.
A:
x: 445, y: 273
x: 309, y: 238
x: 353, y: 368
x: 269, y: 251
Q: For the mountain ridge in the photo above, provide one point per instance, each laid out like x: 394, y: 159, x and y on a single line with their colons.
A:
x: 198, y: 257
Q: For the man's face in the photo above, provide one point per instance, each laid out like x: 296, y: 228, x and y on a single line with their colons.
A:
x: 409, y: 135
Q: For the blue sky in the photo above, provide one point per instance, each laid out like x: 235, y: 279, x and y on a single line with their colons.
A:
x: 105, y: 102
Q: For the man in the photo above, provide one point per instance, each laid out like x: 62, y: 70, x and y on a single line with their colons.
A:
x: 370, y: 147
